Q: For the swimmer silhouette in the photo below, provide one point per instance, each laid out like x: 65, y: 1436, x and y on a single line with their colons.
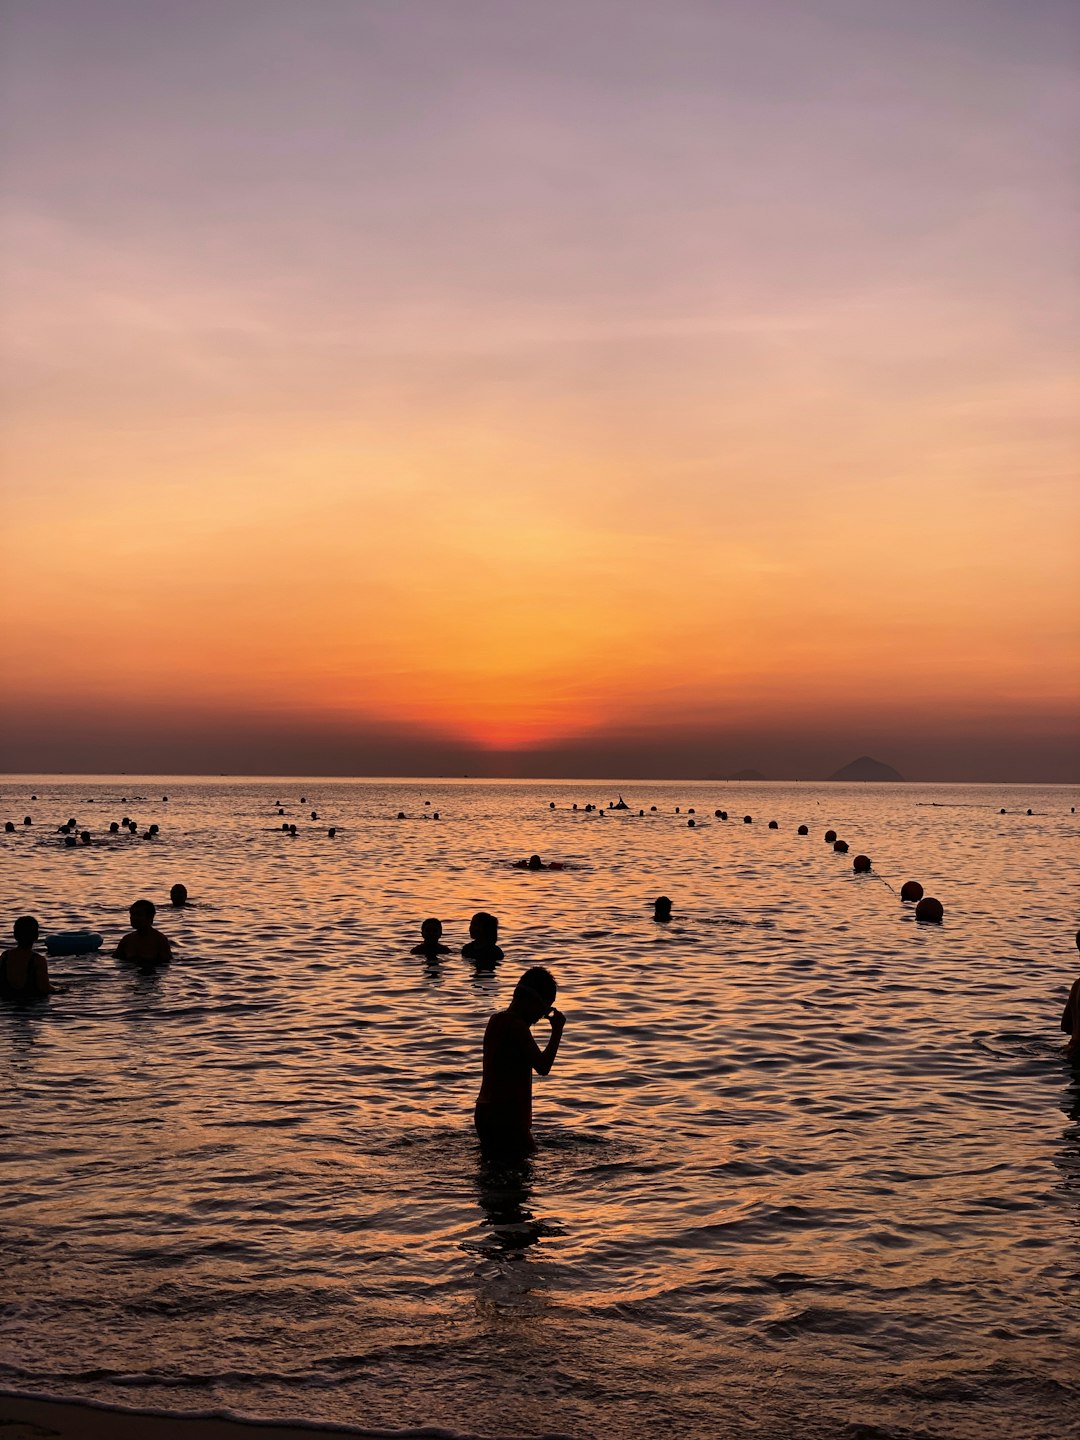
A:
x: 503, y: 1114
x: 431, y: 934
x: 178, y: 896
x: 483, y: 944
x: 145, y: 944
x: 662, y: 909
x: 24, y: 974
x: 9, y: 826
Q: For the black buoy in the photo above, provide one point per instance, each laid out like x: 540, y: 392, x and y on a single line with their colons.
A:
x: 691, y: 824
x: 303, y: 799
x: 911, y: 890
x: 401, y: 814
x: 747, y: 819
x: 9, y: 827
x: 652, y: 809
x: 830, y: 836
x: 165, y: 798
x: 27, y: 820
x: 861, y: 865
x: 331, y: 832
x: 774, y: 825
x: 929, y: 910
x: 840, y: 846
x: 314, y: 814
x: 691, y: 811
x: 803, y: 830
x: 551, y: 804
x: 33, y: 797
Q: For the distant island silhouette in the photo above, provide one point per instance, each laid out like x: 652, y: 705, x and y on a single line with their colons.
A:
x: 867, y: 769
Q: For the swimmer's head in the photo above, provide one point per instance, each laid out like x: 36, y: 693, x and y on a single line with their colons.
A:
x: 142, y: 914
x: 534, y: 993
x: 484, y: 927
x: 535, y: 863
x: 178, y: 894
x: 431, y: 931
x: 26, y: 930
x: 662, y: 908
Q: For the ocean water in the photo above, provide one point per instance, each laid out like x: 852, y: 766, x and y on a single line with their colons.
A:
x: 804, y: 1166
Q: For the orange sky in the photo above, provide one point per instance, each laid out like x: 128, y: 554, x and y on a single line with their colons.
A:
x: 535, y: 409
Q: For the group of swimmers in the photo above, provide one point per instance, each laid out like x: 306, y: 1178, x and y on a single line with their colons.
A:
x: 24, y: 971
x: 503, y: 1111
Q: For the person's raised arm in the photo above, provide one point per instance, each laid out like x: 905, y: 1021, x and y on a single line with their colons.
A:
x: 544, y: 1059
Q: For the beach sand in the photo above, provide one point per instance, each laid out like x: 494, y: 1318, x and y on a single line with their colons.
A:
x: 34, y: 1419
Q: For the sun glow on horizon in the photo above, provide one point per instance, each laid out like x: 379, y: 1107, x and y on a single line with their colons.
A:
x: 524, y: 411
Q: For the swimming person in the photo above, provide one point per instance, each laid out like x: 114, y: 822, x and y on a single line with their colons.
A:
x: 1070, y: 1020
x: 24, y: 974
x: 483, y: 939
x: 178, y: 896
x: 503, y: 1115
x: 430, y: 935
x: 662, y: 909
x: 145, y: 944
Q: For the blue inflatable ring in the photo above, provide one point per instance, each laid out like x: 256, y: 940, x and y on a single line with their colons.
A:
x: 73, y: 942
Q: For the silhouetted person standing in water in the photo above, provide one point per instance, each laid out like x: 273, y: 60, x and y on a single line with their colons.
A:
x: 1070, y: 1020
x: 504, y: 1106
x: 24, y: 974
x: 145, y: 944
x: 430, y: 936
x: 483, y: 946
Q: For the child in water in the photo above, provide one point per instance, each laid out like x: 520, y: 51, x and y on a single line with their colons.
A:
x: 145, y: 944
x: 503, y: 1113
x: 24, y: 974
x: 1070, y: 1020
x: 430, y: 935
x: 484, y: 937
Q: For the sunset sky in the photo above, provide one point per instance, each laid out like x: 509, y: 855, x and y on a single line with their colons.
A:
x: 540, y: 386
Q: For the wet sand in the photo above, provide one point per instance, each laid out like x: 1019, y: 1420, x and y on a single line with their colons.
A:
x: 26, y: 1419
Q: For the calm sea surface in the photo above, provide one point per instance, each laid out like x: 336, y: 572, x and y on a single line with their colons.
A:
x: 805, y: 1167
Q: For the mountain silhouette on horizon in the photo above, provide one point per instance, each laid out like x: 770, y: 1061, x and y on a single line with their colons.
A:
x: 867, y: 769
x: 747, y: 775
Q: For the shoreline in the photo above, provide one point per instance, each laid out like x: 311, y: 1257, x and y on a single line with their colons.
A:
x: 36, y: 1417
